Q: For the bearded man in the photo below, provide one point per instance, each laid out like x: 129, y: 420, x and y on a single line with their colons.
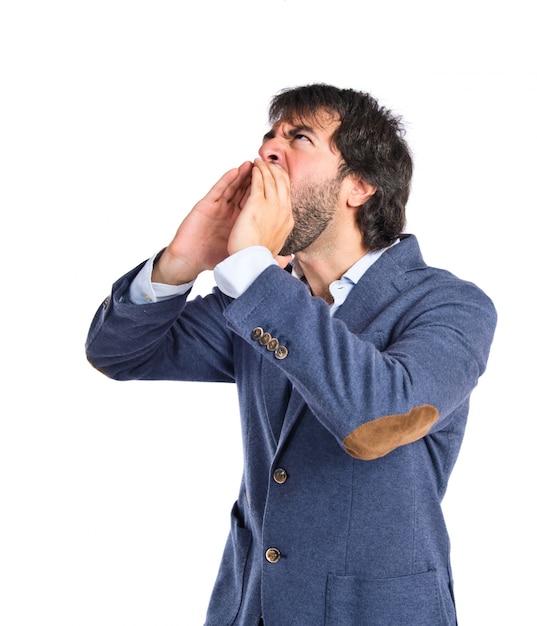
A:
x: 354, y: 362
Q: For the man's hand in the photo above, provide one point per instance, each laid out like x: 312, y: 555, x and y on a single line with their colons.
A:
x: 201, y: 241
x: 266, y: 219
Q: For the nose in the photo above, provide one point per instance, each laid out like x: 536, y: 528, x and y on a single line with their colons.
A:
x: 272, y: 151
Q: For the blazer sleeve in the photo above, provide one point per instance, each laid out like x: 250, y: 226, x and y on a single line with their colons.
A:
x: 373, y: 396
x: 169, y: 340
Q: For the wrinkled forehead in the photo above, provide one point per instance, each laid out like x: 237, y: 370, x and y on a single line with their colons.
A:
x: 315, y: 117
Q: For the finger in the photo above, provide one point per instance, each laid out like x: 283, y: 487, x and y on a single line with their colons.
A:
x: 243, y: 183
x: 257, y: 183
x: 226, y: 187
x: 245, y: 196
x: 274, y: 178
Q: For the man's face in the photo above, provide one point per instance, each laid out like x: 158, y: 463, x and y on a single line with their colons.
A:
x: 305, y: 152
x: 303, y: 149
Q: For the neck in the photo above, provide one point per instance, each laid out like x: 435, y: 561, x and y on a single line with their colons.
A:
x: 322, y: 268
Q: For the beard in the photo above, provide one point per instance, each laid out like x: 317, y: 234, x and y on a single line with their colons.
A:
x: 314, y: 206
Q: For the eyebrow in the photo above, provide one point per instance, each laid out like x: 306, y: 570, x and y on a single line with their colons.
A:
x: 292, y: 133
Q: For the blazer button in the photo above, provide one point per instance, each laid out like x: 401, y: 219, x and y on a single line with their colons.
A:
x: 279, y: 475
x: 281, y: 352
x: 273, y: 555
x: 257, y: 333
x: 273, y: 344
x: 265, y: 339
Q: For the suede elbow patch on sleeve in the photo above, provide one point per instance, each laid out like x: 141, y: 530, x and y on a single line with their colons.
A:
x: 377, y: 438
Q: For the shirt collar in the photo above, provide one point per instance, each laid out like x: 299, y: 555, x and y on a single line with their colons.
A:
x: 341, y: 288
x: 355, y: 272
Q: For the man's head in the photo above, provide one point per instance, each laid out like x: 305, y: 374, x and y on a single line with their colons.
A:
x: 370, y: 140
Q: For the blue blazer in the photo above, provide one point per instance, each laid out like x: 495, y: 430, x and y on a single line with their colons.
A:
x: 351, y: 426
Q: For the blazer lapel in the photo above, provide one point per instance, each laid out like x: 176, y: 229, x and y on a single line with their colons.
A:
x: 295, y: 408
x: 382, y: 282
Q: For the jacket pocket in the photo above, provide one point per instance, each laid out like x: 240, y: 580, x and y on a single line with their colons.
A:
x: 228, y: 589
x: 404, y: 601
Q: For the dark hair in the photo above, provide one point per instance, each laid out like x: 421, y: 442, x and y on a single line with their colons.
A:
x: 371, y: 141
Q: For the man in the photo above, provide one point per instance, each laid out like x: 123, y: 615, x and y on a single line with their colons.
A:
x: 354, y: 363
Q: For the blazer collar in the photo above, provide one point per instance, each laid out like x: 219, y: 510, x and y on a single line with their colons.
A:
x: 381, y: 283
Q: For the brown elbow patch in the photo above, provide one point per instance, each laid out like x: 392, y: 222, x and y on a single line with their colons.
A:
x: 382, y: 435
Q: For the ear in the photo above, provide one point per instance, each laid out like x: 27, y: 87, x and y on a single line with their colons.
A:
x: 358, y: 191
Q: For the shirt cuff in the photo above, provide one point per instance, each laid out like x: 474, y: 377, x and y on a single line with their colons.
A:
x: 237, y: 272
x: 142, y: 290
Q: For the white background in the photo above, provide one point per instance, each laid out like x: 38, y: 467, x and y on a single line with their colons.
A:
x: 115, y: 117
